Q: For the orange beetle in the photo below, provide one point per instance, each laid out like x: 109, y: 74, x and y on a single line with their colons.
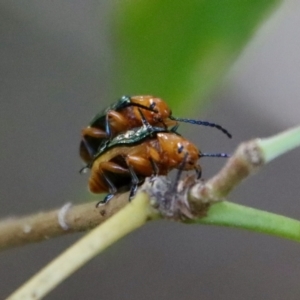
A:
x: 125, y: 166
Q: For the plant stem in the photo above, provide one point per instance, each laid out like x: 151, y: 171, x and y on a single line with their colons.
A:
x: 238, y: 216
x: 44, y: 225
x: 279, y: 144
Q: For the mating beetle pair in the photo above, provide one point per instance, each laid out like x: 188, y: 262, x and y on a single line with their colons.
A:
x: 130, y: 141
x: 125, y: 115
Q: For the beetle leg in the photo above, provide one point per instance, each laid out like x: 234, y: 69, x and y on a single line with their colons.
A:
x: 179, y: 173
x: 113, y: 167
x: 155, y: 167
x: 198, y: 171
x: 112, y: 187
x: 93, y: 132
x: 154, y: 154
x: 154, y: 158
x: 143, y: 159
x: 85, y: 151
x: 134, y: 182
x: 115, y: 120
x: 97, y: 184
x: 100, y: 182
x: 107, y: 126
x: 87, y: 148
x: 105, y: 199
x: 134, y: 179
x: 145, y: 121
x: 141, y: 165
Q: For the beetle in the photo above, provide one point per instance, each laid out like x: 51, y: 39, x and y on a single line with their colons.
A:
x: 124, y: 162
x: 124, y: 115
x: 123, y: 165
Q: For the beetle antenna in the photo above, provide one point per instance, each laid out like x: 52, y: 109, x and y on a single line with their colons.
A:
x: 145, y: 121
x: 225, y: 155
x: 204, y: 123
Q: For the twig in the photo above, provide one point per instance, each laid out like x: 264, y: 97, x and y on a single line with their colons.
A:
x: 45, y: 225
x: 247, y: 159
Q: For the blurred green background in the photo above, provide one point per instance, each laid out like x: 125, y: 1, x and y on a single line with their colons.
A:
x: 179, y: 50
x: 61, y: 62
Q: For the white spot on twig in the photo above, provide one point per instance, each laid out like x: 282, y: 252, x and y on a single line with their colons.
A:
x: 62, y: 215
x: 27, y: 228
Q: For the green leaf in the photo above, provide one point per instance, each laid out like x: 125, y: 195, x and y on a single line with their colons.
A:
x: 178, y: 50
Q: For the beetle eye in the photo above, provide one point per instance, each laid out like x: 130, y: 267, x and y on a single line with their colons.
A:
x: 180, y: 148
x: 152, y: 105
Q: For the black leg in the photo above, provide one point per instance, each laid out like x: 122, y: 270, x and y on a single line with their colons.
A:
x: 112, y: 190
x: 180, y: 170
x: 198, y: 172
x: 134, y: 183
x: 85, y: 145
x: 112, y: 187
x: 154, y: 167
x: 107, y: 126
x: 105, y: 200
x: 145, y: 121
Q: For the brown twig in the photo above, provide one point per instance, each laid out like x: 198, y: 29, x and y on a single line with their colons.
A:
x: 44, y: 225
x: 247, y: 159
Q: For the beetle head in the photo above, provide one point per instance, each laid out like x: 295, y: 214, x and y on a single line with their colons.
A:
x: 159, y: 109
x: 176, y: 148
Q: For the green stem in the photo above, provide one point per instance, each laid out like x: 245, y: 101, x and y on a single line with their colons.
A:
x: 280, y: 144
x: 239, y: 216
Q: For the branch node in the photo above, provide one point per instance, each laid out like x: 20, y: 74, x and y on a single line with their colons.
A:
x: 252, y: 153
x: 174, y: 203
x: 61, y: 216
